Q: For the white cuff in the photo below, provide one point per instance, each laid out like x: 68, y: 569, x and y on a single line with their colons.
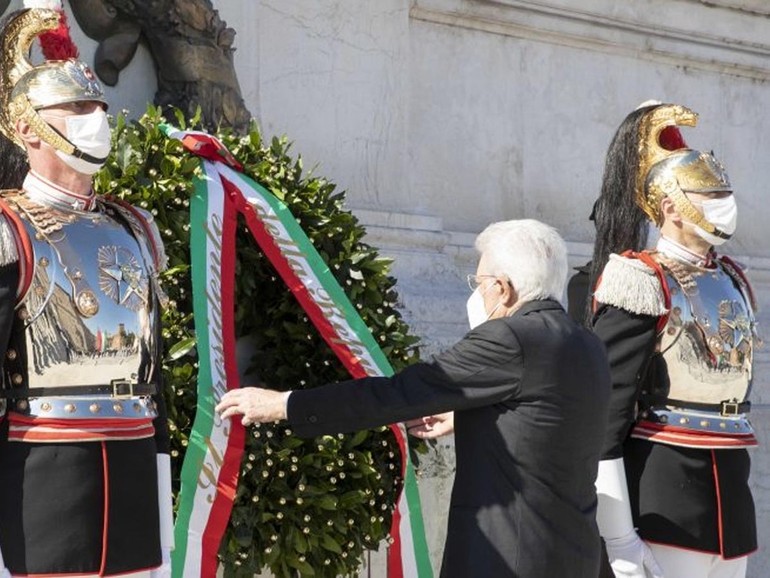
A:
x: 613, y: 513
x: 165, y: 502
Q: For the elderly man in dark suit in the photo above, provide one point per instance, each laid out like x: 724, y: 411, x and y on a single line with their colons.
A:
x: 529, y: 388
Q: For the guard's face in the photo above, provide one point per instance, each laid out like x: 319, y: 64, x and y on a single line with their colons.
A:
x: 56, y: 115
x: 85, y: 126
x: 699, y: 198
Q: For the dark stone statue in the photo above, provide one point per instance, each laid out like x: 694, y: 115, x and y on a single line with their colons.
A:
x: 191, y: 46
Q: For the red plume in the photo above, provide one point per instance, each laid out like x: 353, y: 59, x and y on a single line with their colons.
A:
x: 671, y: 139
x: 57, y: 44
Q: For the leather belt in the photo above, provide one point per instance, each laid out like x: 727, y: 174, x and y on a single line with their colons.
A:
x: 117, y: 389
x: 725, y: 408
x: 77, y: 407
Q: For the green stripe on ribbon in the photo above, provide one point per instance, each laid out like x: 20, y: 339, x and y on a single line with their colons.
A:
x: 204, y: 422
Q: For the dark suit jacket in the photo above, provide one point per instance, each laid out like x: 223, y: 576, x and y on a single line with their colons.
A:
x: 530, y: 393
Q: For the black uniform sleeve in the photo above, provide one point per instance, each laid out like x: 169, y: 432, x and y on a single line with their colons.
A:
x: 9, y: 283
x: 630, y: 342
x: 577, y: 293
x: 162, y: 439
x: 482, y: 369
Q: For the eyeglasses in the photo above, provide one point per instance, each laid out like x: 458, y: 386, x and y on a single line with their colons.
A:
x: 475, y: 280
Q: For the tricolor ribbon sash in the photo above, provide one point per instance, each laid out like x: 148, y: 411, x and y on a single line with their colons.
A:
x: 212, y: 461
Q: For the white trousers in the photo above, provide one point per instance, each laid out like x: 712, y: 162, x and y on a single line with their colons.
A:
x: 678, y: 563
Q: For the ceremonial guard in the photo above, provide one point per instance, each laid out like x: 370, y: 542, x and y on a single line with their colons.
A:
x: 84, y: 466
x: 678, y: 323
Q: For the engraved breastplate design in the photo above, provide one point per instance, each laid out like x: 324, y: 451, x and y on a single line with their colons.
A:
x: 704, y: 369
x: 708, y: 341
x: 88, y: 316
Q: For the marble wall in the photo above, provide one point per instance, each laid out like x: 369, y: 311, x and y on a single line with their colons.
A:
x: 440, y: 116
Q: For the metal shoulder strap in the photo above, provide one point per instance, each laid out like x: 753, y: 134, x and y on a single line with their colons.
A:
x: 735, y: 271
x: 145, y: 231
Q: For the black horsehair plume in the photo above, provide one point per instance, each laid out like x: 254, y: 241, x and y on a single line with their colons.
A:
x: 13, y: 164
x: 620, y: 223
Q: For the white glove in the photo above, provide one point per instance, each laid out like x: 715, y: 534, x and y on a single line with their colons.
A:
x: 629, y: 556
x: 166, y: 513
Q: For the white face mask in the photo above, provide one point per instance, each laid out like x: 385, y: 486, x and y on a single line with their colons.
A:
x: 91, y: 134
x: 477, y: 313
x: 722, y: 213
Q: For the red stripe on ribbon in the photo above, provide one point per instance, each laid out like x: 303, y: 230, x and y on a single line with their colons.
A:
x: 227, y: 482
x: 352, y: 363
x: 273, y: 252
x: 395, y: 565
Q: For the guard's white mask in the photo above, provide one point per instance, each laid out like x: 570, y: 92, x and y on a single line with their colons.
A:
x: 90, y: 133
x: 722, y: 213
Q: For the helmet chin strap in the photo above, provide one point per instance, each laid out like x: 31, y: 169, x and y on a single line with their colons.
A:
x: 50, y: 135
x: 76, y: 152
x: 693, y: 215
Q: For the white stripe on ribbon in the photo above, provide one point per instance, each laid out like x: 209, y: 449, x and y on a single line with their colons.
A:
x: 206, y: 489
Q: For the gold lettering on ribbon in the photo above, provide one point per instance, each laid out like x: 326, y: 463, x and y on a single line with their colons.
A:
x: 344, y: 335
x: 216, y: 354
x: 207, y: 478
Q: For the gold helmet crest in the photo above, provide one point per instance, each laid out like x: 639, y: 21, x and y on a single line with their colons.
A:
x: 26, y: 88
x: 672, y: 173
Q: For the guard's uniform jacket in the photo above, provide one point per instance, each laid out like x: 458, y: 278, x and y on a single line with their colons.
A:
x: 680, y: 340
x: 83, y: 418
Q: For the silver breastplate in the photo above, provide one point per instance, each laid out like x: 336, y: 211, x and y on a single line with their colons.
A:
x: 89, y: 315
x: 707, y: 351
x: 708, y: 342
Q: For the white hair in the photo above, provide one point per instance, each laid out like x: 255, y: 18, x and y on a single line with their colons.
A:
x: 531, y: 254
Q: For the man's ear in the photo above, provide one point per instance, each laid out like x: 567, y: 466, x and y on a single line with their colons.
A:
x: 669, y: 210
x: 510, y: 296
x: 25, y: 132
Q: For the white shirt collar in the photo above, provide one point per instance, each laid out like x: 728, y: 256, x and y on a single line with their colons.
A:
x: 679, y: 252
x: 45, y: 192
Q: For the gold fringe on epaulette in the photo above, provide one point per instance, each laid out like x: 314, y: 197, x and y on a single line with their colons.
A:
x: 629, y: 284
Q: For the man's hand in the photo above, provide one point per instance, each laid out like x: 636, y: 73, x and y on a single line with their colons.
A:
x: 432, y: 426
x: 630, y: 557
x: 255, y: 404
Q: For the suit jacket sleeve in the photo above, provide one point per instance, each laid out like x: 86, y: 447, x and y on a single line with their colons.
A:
x: 482, y: 369
x: 630, y: 342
